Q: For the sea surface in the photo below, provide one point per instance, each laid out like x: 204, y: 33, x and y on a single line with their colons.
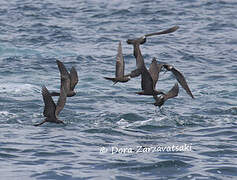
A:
x: 110, y: 132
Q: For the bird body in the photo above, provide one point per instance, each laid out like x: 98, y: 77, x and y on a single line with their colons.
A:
x: 51, y: 110
x: 73, y: 80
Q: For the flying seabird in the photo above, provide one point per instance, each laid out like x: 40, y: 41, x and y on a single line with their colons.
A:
x: 51, y: 111
x: 155, y: 69
x: 73, y: 80
x: 142, y: 39
x: 137, y: 52
x: 164, y: 97
x: 147, y: 82
x: 139, y: 61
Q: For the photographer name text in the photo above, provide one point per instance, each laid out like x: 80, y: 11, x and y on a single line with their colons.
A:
x: 142, y: 149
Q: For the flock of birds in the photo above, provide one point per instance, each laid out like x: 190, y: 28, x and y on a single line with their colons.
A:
x: 149, y: 79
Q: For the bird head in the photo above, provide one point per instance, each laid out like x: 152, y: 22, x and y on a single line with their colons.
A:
x: 160, y: 101
x: 168, y: 67
x: 154, y: 59
x: 140, y: 40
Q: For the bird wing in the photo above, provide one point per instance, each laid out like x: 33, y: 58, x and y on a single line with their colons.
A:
x: 142, y: 39
x: 61, y: 100
x: 173, y: 92
x: 146, y: 82
x: 134, y: 73
x: 138, y: 55
x: 119, y: 62
x: 65, y: 85
x: 159, y: 67
x: 153, y: 70
x: 180, y: 78
x: 73, y: 78
x: 64, y: 74
x: 49, y: 105
x: 170, y: 30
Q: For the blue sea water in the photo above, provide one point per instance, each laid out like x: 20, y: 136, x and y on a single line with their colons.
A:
x: 107, y: 124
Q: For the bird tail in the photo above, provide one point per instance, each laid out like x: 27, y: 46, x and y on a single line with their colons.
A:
x: 112, y: 79
x: 140, y: 93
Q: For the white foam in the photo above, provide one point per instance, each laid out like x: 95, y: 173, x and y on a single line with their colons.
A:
x: 122, y: 122
x: 7, y: 115
x: 18, y: 88
x: 4, y: 113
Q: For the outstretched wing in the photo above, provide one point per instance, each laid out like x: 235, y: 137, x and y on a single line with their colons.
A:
x: 180, y: 78
x: 134, y: 73
x: 61, y: 100
x: 170, y: 30
x: 142, y: 39
x: 154, y: 71
x: 173, y: 92
x: 119, y: 62
x: 49, y: 108
x: 64, y: 74
x: 73, y: 78
x: 146, y: 82
x: 138, y: 55
x: 64, y: 88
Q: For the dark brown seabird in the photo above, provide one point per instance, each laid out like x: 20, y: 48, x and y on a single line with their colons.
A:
x: 147, y: 82
x: 119, y: 72
x: 171, y: 94
x: 51, y: 111
x: 142, y: 39
x: 73, y: 80
x: 137, y: 52
x: 155, y: 69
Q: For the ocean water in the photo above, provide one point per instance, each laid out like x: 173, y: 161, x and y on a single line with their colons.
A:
x: 110, y: 132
